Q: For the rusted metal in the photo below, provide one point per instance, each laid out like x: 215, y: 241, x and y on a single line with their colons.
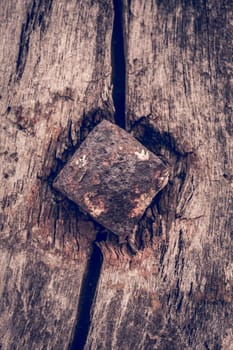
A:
x: 113, y: 177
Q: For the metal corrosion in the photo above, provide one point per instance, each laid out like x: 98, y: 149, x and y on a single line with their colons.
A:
x: 113, y: 177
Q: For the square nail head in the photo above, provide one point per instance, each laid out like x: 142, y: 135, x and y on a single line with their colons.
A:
x: 113, y: 177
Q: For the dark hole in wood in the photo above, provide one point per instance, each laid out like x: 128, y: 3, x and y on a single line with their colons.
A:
x: 86, y: 299
x: 118, y: 65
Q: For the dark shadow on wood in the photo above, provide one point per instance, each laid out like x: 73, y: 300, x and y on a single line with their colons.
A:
x: 118, y: 65
x: 87, y: 296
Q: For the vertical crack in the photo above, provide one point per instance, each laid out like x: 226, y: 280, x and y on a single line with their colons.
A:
x: 87, y: 296
x: 91, y: 278
x: 118, y: 64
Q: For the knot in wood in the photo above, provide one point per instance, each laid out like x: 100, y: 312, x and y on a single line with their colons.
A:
x: 113, y: 177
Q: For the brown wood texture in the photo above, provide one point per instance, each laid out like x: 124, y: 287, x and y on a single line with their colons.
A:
x: 56, y: 76
x: 177, y: 292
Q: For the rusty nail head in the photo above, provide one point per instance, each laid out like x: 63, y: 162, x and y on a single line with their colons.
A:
x: 113, y: 177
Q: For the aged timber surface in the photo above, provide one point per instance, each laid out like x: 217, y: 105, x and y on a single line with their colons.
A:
x: 55, y: 78
x: 176, y: 293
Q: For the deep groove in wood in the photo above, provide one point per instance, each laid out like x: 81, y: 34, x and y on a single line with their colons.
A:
x: 86, y: 299
x: 118, y: 65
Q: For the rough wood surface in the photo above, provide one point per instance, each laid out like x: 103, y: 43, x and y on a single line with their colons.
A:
x: 55, y: 78
x: 177, y: 293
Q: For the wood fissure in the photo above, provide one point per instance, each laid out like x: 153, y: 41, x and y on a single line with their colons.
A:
x: 176, y: 291
x: 93, y: 270
x: 86, y: 299
x: 118, y: 65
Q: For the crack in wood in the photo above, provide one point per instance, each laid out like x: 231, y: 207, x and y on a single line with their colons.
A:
x: 118, y: 65
x: 86, y: 299
x: 93, y: 269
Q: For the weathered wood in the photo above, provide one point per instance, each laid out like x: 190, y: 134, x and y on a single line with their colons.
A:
x: 55, y: 78
x: 176, y: 293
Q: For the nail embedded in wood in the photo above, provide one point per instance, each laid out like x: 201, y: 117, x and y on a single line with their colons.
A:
x: 114, y: 178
